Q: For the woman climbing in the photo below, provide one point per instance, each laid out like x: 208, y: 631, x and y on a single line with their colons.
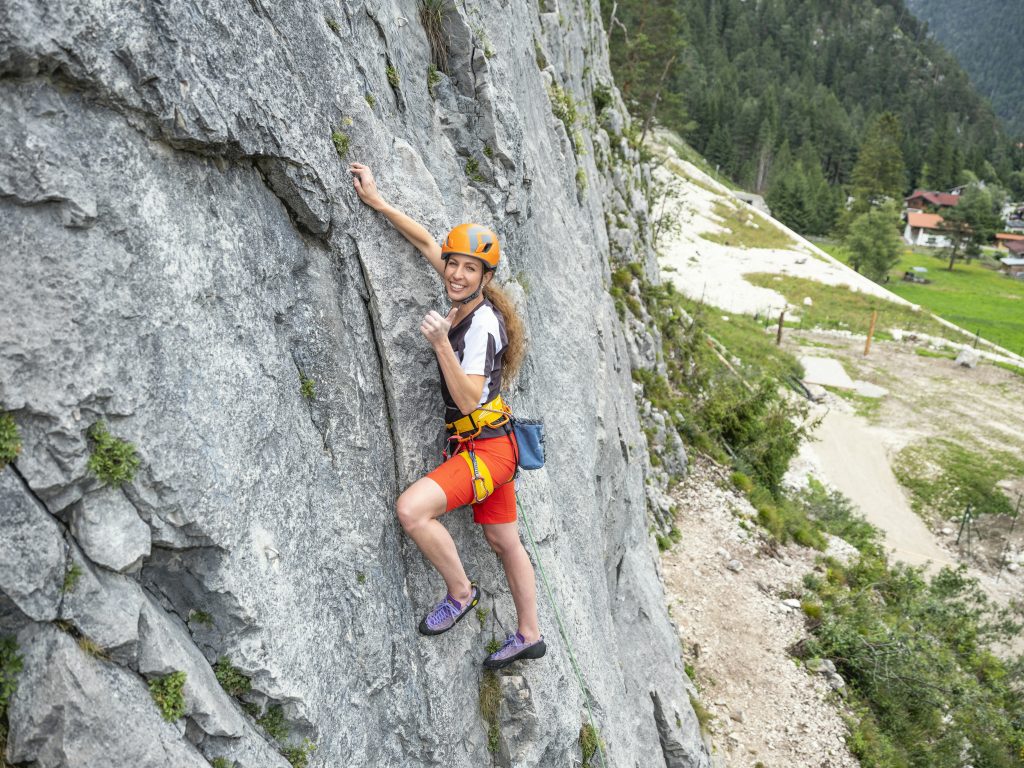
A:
x: 478, y: 344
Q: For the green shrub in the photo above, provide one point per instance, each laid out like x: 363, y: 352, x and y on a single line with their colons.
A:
x: 221, y: 762
x: 493, y: 646
x: 812, y: 610
x: 563, y: 105
x: 371, y: 100
x: 473, y: 170
x: 168, y: 693
x: 200, y: 617
x: 10, y: 440
x: 231, y: 678
x: 393, y: 78
x: 298, y: 756
x: 273, y: 723
x: 742, y: 483
x: 602, y: 97
x: 112, y: 460
x: 581, y: 180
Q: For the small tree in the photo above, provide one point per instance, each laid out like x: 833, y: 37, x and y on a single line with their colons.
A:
x: 873, y: 242
x: 973, y: 221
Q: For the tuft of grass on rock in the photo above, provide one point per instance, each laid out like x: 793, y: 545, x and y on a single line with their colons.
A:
x: 490, y: 701
x: 201, y: 617
x: 341, y: 143
x: 221, y: 762
x: 168, y: 694
x: 433, y: 78
x: 473, y: 170
x: 371, y: 100
x: 71, y: 577
x: 590, y: 742
x: 334, y: 26
x: 393, y: 78
x: 493, y: 646
x: 307, y: 386
x: 113, y: 460
x: 10, y: 440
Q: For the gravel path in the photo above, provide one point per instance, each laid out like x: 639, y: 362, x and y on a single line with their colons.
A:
x: 735, y: 631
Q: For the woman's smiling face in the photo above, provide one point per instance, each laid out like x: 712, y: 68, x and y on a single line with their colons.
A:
x: 462, y: 276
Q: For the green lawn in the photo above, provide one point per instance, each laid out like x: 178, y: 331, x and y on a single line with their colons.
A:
x: 839, y: 307
x: 972, y: 296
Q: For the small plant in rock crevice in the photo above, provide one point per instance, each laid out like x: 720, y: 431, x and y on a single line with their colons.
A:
x: 590, y: 742
x: 200, y: 617
x: 493, y: 646
x: 473, y: 170
x: 221, y: 762
x: 334, y: 26
x: 432, y: 19
x: 298, y: 756
x: 490, y: 702
x: 433, y: 78
x: 371, y: 100
x: 10, y: 667
x: 481, y: 616
x: 168, y: 694
x: 231, y: 678
x: 71, y: 577
x: 10, y: 440
x: 307, y: 386
x: 272, y: 721
x: 341, y: 143
x: 393, y: 78
x: 112, y: 460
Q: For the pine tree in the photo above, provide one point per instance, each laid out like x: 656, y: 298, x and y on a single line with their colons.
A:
x: 879, y: 174
x: 873, y: 242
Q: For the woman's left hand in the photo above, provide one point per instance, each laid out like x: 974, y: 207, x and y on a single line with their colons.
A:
x: 435, y: 328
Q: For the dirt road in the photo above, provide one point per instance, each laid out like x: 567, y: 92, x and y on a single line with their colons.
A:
x: 852, y: 458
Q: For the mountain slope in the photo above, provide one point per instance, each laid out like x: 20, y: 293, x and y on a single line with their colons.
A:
x: 985, y: 36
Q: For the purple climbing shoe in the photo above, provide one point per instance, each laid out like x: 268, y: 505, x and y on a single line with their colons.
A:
x: 515, y: 647
x: 448, y: 613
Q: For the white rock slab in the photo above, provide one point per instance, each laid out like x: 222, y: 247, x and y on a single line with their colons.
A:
x: 827, y: 372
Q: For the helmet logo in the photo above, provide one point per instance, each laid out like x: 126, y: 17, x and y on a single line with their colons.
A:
x: 479, y: 236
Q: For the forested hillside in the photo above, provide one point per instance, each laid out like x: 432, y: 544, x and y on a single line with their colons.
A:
x: 780, y: 94
x: 987, y: 37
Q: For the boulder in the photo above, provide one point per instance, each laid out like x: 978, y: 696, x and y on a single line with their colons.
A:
x: 73, y: 711
x: 32, y: 559
x: 110, y: 531
x: 968, y: 358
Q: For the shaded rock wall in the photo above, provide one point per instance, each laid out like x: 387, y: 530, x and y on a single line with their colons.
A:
x: 183, y: 246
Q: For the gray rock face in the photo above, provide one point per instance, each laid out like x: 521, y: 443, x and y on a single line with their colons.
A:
x: 110, y: 531
x: 70, y: 710
x: 32, y: 555
x: 188, y: 249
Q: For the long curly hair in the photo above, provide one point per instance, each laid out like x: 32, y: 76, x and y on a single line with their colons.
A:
x: 514, y: 329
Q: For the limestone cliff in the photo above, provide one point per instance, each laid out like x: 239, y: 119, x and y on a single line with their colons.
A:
x: 182, y: 249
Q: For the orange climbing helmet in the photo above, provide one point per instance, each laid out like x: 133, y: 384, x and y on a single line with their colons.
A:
x: 473, y: 240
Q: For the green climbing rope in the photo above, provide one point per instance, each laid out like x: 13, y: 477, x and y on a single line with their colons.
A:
x: 561, y: 630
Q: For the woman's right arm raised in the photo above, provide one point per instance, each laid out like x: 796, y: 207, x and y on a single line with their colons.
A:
x: 412, y: 230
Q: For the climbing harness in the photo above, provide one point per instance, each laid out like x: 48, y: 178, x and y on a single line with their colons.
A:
x: 493, y: 414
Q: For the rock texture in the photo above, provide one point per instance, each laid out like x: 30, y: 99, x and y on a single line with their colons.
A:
x: 184, y: 249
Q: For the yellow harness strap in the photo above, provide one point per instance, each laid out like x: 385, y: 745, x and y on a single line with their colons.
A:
x: 492, y: 414
x: 483, y: 484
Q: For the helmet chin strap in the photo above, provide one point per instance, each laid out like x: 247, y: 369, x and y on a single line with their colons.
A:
x: 477, y: 292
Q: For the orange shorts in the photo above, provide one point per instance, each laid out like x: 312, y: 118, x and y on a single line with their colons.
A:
x: 456, y: 480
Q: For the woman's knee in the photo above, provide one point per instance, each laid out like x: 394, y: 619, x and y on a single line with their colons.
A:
x: 501, y: 542
x: 411, y: 514
x: 421, y: 502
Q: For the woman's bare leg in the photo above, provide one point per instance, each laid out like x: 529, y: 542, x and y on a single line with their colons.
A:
x: 504, y: 540
x: 418, y: 509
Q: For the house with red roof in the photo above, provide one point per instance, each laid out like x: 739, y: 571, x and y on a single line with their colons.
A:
x: 927, y: 229
x: 922, y: 200
x: 1003, y: 240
